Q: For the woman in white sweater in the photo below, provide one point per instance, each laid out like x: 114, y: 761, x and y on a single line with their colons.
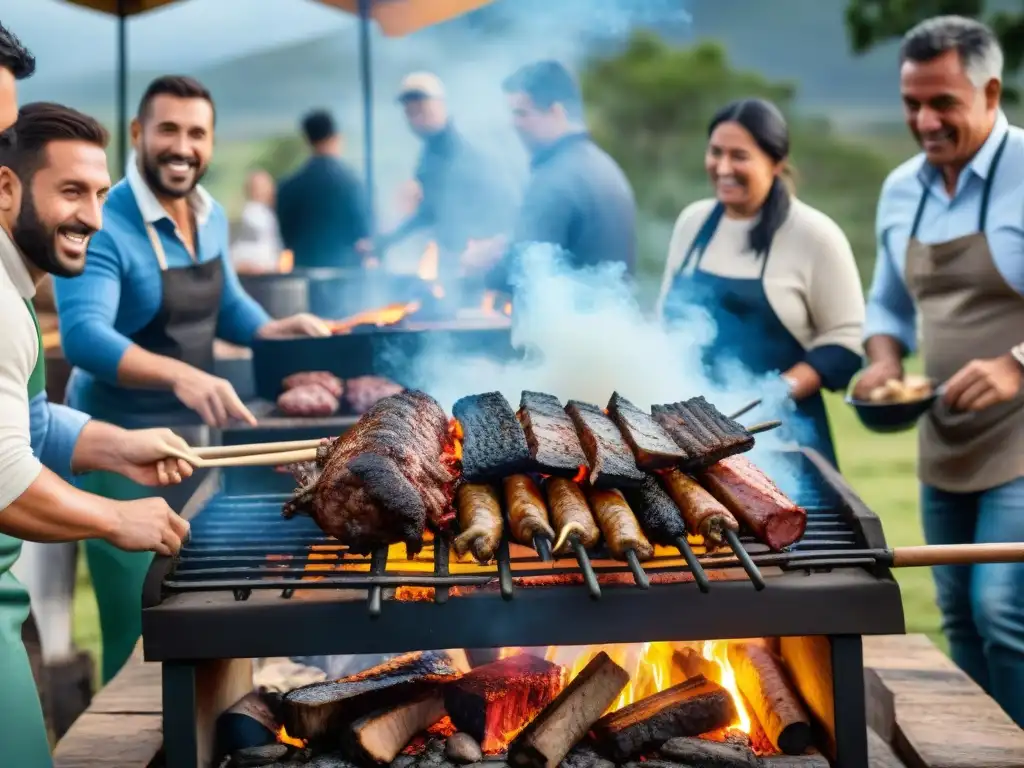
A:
x: 777, y: 276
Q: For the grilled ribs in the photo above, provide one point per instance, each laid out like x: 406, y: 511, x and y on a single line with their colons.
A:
x: 704, y: 432
x: 384, y: 479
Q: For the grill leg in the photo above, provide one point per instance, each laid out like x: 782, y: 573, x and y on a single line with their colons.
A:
x: 851, y: 724
x: 181, y: 744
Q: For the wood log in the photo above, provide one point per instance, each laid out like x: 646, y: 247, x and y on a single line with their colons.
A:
x: 687, y: 709
x: 566, y: 720
x: 811, y: 759
x: 585, y: 756
x: 708, y: 754
x: 693, y: 663
x: 762, y: 679
x: 321, y: 711
x: 492, y: 703
x: 380, y: 736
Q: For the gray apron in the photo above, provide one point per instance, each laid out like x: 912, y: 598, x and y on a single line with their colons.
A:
x: 967, y: 312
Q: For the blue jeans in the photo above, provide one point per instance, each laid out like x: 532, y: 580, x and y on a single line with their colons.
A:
x: 982, y: 605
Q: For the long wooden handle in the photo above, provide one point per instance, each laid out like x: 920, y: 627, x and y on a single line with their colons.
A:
x: 252, y: 460
x: 252, y: 449
x: 957, y: 554
x: 764, y: 426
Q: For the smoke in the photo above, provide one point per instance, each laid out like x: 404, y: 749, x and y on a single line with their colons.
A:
x: 583, y: 336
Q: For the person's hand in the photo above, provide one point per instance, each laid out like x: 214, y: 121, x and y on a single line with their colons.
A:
x: 482, y: 254
x: 212, y: 397
x: 983, y: 383
x: 147, y: 525
x: 151, y: 457
x: 875, y: 375
x: 302, y: 324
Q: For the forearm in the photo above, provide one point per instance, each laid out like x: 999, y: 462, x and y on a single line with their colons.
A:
x: 51, y: 510
x: 146, y: 370
x: 96, y: 449
x: 882, y: 348
x: 803, y: 381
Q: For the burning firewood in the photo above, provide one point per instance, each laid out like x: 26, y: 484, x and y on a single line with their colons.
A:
x: 549, y: 736
x: 493, y: 702
x: 493, y: 443
x: 708, y: 754
x: 703, y: 514
x: 480, y: 521
x: 381, y: 735
x: 585, y: 756
x: 321, y: 710
x: 812, y: 759
x: 763, y: 681
x: 610, y: 460
x: 756, y: 501
x: 687, y: 709
x: 554, y: 445
x: 653, y: 448
x: 704, y: 432
x: 693, y: 663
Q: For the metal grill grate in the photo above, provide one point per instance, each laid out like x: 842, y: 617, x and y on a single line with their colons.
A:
x: 241, y: 543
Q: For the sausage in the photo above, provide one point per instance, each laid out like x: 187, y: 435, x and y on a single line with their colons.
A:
x: 570, y: 514
x: 618, y: 524
x: 527, y: 515
x: 703, y: 513
x: 755, y: 500
x: 480, y: 521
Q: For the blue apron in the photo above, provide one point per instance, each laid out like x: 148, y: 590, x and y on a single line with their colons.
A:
x: 749, y: 332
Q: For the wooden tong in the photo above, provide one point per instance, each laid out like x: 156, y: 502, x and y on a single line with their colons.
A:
x: 251, y: 454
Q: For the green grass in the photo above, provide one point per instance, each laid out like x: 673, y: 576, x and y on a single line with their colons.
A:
x: 881, y: 469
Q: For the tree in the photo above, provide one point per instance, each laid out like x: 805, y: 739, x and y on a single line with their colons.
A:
x: 870, y: 22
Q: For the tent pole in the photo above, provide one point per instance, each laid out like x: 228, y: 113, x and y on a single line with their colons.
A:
x: 366, y: 75
x: 122, y: 86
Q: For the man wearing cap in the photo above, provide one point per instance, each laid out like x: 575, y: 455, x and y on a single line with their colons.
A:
x: 462, y: 195
x: 321, y: 208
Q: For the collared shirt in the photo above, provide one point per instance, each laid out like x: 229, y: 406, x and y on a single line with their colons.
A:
x: 49, y: 434
x: 891, y: 310
x: 120, y: 291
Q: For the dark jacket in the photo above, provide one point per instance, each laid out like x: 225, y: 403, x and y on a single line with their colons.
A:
x: 322, y: 212
x: 579, y: 199
x: 464, y: 196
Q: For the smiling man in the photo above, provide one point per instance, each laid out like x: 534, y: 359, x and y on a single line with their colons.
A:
x: 951, y: 252
x: 139, y: 324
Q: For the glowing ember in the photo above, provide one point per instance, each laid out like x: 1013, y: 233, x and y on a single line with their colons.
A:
x: 580, y: 474
x: 284, y: 738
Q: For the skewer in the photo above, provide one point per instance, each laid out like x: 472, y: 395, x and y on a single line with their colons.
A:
x: 745, y: 409
x: 542, y: 544
x: 589, y: 577
x: 699, y: 576
x: 252, y: 449
x: 441, y: 551
x: 639, y: 574
x: 504, y: 569
x: 378, y: 562
x: 753, y: 572
x: 764, y: 426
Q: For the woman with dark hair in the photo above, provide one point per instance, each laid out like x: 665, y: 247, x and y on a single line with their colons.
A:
x: 777, y: 276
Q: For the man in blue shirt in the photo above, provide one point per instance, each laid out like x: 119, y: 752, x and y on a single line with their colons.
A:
x: 951, y: 265
x: 139, y: 324
x: 321, y: 208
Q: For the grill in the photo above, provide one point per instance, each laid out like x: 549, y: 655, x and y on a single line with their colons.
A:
x: 251, y: 584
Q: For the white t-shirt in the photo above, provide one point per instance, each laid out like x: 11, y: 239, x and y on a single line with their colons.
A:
x: 810, y: 280
x: 259, y: 241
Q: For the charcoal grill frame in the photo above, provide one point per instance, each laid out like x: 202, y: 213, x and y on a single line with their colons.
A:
x: 187, y: 632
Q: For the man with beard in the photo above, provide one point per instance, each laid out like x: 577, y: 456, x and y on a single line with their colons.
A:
x: 53, y: 177
x: 577, y: 198
x: 139, y: 324
x: 951, y: 257
x: 461, y: 194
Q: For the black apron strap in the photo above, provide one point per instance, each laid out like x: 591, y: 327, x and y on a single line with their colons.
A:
x: 700, y: 242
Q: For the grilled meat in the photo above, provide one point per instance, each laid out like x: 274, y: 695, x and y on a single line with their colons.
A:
x: 570, y: 514
x: 325, y: 379
x: 756, y: 501
x: 611, y: 461
x: 618, y: 525
x: 362, y: 392
x: 527, y: 515
x: 480, y: 520
x: 702, y: 512
x: 493, y: 443
x: 551, y: 436
x: 384, y: 478
x: 653, y: 448
x: 307, y: 400
x: 704, y: 432
x: 659, y: 516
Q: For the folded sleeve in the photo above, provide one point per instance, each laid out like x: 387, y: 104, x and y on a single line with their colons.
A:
x: 87, y: 306
x: 55, y: 432
x: 19, y: 467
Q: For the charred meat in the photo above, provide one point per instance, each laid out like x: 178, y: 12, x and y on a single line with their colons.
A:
x: 551, y: 436
x: 611, y: 461
x: 704, y: 432
x: 653, y: 448
x: 659, y: 516
x: 363, y: 392
x: 703, y: 514
x: 493, y: 443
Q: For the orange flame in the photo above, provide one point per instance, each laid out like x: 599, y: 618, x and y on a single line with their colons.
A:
x: 581, y: 474
x: 382, y: 316
x: 284, y: 738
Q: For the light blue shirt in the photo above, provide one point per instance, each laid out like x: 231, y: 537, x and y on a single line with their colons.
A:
x: 890, y: 309
x: 55, y: 430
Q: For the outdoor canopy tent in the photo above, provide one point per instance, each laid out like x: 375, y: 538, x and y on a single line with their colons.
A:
x: 394, y: 17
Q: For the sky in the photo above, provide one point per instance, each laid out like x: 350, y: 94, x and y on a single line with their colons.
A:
x: 70, y: 40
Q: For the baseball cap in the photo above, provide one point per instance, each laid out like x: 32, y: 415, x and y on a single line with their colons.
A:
x: 421, y: 85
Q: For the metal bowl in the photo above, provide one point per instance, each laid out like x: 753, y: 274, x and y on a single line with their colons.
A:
x: 892, y: 417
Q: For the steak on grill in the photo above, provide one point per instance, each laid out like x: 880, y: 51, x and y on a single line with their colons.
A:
x: 362, y: 392
x: 307, y: 400
x: 385, y: 478
x: 705, y: 433
x: 325, y: 379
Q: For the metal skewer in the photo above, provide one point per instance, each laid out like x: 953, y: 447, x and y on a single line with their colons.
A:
x: 764, y: 426
x: 542, y: 544
x: 589, y: 577
x: 441, y: 567
x: 753, y: 572
x: 378, y: 562
x: 745, y: 409
x: 699, y: 576
x: 639, y: 574
x: 504, y: 569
